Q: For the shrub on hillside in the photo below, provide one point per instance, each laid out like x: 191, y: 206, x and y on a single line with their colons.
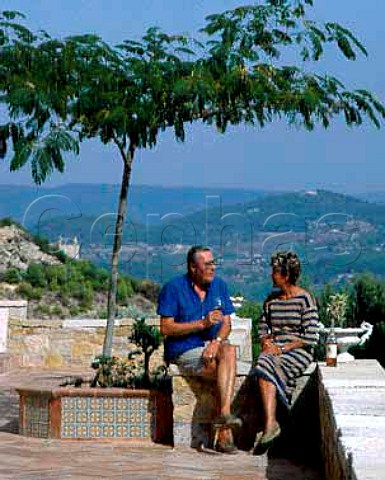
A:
x: 28, y: 292
x: 149, y: 290
x: 12, y: 275
x: 36, y: 276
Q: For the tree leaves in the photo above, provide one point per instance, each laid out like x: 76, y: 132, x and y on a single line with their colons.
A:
x: 129, y: 93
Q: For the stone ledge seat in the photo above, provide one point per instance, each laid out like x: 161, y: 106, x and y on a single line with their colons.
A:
x: 194, y: 398
x: 194, y: 401
x: 194, y: 405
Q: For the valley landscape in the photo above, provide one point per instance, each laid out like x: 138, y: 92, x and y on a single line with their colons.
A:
x: 336, y: 235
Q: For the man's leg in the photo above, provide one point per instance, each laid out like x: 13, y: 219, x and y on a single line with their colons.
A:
x: 223, y: 369
x: 226, y: 371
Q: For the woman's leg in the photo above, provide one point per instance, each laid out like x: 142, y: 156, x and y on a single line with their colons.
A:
x: 269, y: 401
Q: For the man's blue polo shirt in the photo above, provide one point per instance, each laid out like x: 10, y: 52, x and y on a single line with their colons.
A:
x: 179, y: 300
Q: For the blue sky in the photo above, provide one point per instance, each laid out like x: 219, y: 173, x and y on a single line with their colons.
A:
x: 276, y: 157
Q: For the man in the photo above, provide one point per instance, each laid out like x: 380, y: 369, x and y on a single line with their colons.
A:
x: 195, y: 313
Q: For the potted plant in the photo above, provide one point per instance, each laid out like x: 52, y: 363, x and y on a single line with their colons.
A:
x: 123, y: 400
x: 336, y: 309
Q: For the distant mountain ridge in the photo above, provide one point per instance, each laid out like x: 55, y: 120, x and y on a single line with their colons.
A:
x: 336, y: 235
x: 74, y: 200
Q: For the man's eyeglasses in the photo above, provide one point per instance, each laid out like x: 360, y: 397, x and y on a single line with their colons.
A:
x: 212, y: 262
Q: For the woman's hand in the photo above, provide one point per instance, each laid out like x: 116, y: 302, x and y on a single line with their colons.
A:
x: 272, y: 348
x: 266, y: 342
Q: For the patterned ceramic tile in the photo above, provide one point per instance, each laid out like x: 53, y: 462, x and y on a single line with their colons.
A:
x: 81, y: 403
x: 95, y: 431
x: 82, y: 431
x: 121, y: 430
x: 121, y: 403
x: 106, y: 417
x: 108, y: 430
x: 95, y: 417
x: 96, y: 403
x: 81, y: 416
x: 122, y: 416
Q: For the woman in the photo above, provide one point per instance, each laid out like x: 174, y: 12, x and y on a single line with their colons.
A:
x: 288, y: 332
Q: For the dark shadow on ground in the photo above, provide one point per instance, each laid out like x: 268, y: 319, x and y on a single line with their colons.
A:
x: 300, y: 440
x: 9, y: 412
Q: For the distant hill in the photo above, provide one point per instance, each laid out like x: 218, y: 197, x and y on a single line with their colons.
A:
x: 92, y: 200
x: 336, y: 235
x: 373, y: 196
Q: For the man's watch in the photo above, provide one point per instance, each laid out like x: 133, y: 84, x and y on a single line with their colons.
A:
x: 283, y: 349
x: 219, y: 339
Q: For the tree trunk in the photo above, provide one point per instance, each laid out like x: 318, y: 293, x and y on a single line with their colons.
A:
x: 113, y: 288
x: 146, y: 379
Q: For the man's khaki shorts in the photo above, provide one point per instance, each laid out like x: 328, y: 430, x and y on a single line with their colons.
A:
x: 190, y: 361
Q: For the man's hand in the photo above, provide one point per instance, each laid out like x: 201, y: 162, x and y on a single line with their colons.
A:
x: 210, y: 352
x: 212, y: 318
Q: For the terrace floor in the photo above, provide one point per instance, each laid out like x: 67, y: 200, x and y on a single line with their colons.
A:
x: 32, y: 459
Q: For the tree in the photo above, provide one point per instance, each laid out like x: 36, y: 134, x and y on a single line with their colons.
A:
x: 58, y: 93
x: 323, y: 302
x: 369, y: 300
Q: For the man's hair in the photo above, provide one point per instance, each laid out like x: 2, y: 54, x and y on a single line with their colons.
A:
x: 192, y: 253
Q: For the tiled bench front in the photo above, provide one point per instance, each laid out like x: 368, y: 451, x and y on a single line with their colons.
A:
x: 85, y: 413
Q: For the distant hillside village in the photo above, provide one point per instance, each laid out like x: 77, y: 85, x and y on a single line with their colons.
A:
x: 71, y: 248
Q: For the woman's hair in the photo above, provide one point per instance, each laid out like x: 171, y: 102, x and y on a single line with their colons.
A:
x: 287, y: 263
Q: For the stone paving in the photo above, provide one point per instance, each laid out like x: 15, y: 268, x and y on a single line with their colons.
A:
x: 33, y: 459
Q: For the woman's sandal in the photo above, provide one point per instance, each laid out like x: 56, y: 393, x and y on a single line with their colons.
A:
x: 263, y: 441
x: 269, y: 436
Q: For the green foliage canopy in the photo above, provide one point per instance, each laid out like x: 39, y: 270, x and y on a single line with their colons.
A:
x: 59, y: 92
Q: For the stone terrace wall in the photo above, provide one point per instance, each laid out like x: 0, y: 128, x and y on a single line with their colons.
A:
x: 17, y: 309
x: 76, y: 342
x: 66, y: 343
x: 352, y: 420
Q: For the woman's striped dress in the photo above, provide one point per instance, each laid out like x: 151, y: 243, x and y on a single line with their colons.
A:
x: 288, y: 320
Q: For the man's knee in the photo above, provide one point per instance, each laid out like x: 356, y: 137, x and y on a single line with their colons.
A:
x: 228, y: 352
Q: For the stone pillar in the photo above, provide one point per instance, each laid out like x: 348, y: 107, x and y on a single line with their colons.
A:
x: 240, y: 336
x: 10, y: 309
x: 4, y: 315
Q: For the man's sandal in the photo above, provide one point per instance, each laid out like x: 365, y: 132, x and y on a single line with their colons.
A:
x: 228, y: 420
x: 223, y: 446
